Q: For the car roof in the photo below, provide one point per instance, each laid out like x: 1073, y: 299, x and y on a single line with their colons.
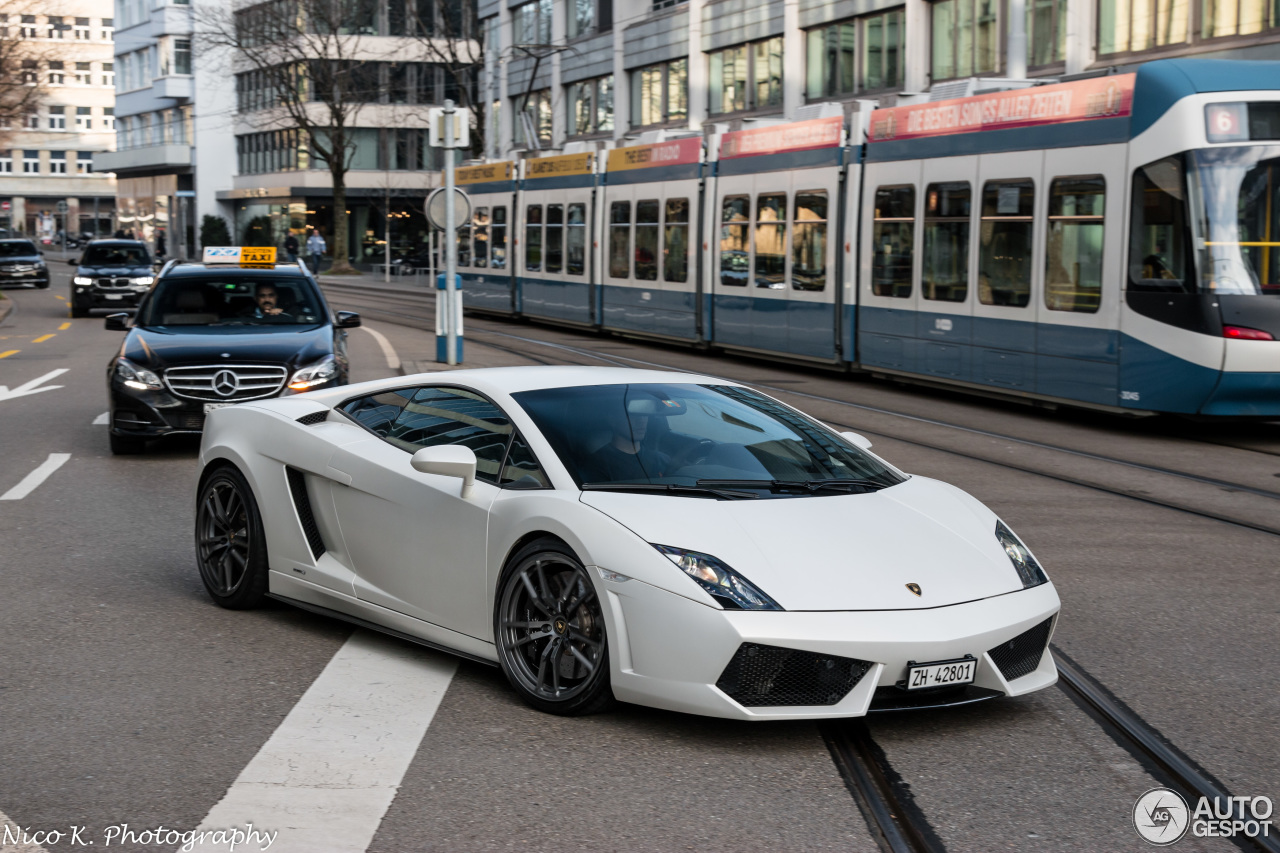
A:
x: 500, y: 381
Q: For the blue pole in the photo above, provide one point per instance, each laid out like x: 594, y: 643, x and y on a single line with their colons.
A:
x: 442, y: 323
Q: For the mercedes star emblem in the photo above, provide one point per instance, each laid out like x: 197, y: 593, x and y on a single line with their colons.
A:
x: 225, y: 383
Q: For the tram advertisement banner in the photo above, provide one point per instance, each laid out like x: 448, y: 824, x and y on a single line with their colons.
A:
x: 1082, y: 100
x: 796, y: 136
x: 677, y: 152
x: 559, y: 166
x: 483, y: 173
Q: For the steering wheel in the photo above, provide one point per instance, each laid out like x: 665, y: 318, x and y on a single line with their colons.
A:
x: 694, y: 454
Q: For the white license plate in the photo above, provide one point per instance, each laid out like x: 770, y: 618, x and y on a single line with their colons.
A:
x: 114, y: 295
x: 941, y: 674
x: 209, y: 407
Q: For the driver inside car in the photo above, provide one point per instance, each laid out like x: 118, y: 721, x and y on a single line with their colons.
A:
x: 268, y: 303
x: 627, y: 457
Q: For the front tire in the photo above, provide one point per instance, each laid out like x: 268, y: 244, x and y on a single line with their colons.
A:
x: 78, y: 310
x: 550, y: 632
x: 231, y: 548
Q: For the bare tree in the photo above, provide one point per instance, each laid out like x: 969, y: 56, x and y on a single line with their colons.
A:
x: 302, y: 65
x: 22, y: 78
x: 448, y: 36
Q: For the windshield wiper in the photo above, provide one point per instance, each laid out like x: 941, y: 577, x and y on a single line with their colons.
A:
x: 843, y: 484
x: 671, y: 488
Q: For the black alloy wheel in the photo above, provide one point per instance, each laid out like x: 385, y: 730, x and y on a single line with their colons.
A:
x: 79, y: 309
x: 550, y: 631
x: 230, y: 545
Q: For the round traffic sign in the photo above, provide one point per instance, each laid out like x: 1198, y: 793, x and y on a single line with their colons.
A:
x: 61, y: 206
x: 461, y: 211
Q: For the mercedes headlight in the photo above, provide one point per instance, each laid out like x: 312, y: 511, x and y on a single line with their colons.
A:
x: 1025, y: 564
x: 82, y: 279
x: 732, y: 590
x: 314, y: 374
x: 137, y: 378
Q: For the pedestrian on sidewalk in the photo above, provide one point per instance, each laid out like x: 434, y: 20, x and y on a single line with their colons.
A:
x: 291, y: 247
x: 316, y: 248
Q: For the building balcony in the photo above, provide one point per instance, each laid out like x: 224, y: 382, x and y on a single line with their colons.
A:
x: 150, y: 158
x: 178, y: 86
x: 171, y: 20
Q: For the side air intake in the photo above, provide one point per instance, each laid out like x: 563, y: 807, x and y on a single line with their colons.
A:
x: 1021, y: 655
x: 302, y: 503
x: 314, y: 418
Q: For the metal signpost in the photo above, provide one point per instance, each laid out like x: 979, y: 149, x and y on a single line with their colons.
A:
x: 450, y: 130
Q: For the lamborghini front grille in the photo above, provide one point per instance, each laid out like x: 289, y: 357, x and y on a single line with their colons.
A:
x: 1021, y: 655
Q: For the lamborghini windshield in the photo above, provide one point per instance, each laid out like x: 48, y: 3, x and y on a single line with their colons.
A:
x: 233, y: 299
x: 711, y: 436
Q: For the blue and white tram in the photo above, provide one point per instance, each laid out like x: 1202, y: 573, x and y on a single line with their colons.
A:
x: 1111, y: 242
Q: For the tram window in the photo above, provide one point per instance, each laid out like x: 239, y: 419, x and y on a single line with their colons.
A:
x: 675, y: 240
x: 464, y: 245
x: 499, y: 228
x: 1004, y: 243
x: 555, y: 237
x: 771, y: 241
x: 1239, y: 216
x: 480, y: 256
x: 945, y: 272
x: 533, y: 237
x: 1073, y: 253
x: 735, y: 248
x: 575, y: 240
x: 1159, y: 241
x: 647, y: 240
x: 893, y: 241
x: 620, y: 239
x: 809, y: 243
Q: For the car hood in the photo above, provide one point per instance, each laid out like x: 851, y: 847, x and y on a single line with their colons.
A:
x: 170, y: 346
x: 122, y: 270
x: 836, y: 552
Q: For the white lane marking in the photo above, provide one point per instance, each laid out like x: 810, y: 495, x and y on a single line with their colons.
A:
x: 33, y: 480
x: 101, y: 419
x: 393, y: 360
x: 11, y: 837
x: 328, y: 774
x: 30, y: 387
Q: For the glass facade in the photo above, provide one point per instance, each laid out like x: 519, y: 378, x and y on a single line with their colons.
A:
x: 746, y: 77
x: 966, y: 38
x: 660, y: 93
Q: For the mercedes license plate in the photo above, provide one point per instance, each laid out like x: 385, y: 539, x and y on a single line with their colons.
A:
x: 941, y: 673
x: 209, y: 407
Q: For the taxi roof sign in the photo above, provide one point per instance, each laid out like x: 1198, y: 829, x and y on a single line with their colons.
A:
x: 258, y: 255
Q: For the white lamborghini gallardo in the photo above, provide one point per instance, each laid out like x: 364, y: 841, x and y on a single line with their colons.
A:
x: 662, y: 538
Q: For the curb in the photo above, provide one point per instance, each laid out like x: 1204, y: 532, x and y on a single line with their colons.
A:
x: 409, y: 368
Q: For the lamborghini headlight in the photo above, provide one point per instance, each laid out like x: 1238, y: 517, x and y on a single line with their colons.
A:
x: 732, y: 590
x: 314, y: 374
x: 1025, y: 564
x: 135, y: 377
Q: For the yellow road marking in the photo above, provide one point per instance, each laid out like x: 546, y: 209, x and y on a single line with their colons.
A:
x: 8, y: 353
x: 42, y: 339
x: 64, y: 327
x: 63, y: 298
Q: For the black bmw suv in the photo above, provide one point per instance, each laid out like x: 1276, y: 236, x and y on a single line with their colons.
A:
x: 22, y: 263
x: 111, y: 274
x: 212, y: 335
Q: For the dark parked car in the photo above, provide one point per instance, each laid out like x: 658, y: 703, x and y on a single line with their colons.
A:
x: 111, y: 274
x: 22, y: 263
x: 212, y: 335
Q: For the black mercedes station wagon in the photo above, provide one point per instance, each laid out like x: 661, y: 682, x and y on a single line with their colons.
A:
x: 212, y: 335
x: 111, y: 274
x: 22, y: 263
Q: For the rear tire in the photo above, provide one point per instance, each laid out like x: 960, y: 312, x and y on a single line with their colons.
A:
x: 550, y: 633
x: 78, y: 310
x: 125, y: 445
x: 231, y: 548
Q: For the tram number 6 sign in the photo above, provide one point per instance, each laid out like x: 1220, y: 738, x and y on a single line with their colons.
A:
x: 1227, y: 122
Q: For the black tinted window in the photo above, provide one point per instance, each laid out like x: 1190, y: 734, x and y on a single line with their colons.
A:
x: 378, y: 412
x: 522, y: 470
x: 14, y: 250
x: 438, y: 416
x: 116, y: 256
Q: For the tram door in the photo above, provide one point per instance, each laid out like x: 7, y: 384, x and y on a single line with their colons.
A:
x: 888, y: 271
x: 557, y: 209
x: 484, y: 253
x: 1077, y: 333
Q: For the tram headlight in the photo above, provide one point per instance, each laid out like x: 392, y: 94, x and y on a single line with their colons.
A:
x: 1028, y: 569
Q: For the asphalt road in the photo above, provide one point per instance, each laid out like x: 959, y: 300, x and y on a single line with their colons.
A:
x: 127, y: 697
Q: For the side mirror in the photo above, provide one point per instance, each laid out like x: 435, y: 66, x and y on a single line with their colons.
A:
x: 347, y: 319
x: 857, y: 440
x: 116, y: 322
x: 449, y: 460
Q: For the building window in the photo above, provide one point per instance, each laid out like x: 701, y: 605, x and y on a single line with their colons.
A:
x: 746, y: 77
x: 660, y: 93
x: 108, y: 29
x: 666, y: 4
x: 6, y: 162
x: 57, y: 118
x: 591, y: 106
x: 1046, y: 32
x: 30, y: 73
x: 29, y: 30
x: 84, y: 162
x: 31, y: 121
x: 182, y: 56
x: 57, y: 72
x: 582, y: 17
x: 82, y: 30
x: 57, y: 162
x: 966, y: 38
x: 109, y: 74
x: 855, y: 56
x: 535, y: 118
x: 1236, y: 17
x: 109, y: 118
x: 532, y: 22
x: 30, y: 162
x: 56, y: 27
x: 84, y: 118
x: 84, y: 76
x: 1130, y: 25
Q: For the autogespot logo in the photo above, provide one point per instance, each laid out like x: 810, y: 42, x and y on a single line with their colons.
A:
x: 1161, y: 816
